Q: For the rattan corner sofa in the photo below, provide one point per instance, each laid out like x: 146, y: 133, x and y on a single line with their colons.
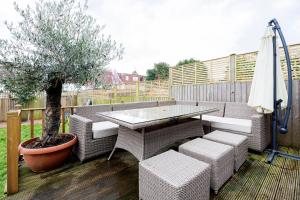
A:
x: 97, y: 136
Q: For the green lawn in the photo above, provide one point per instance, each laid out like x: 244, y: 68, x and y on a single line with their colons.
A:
x: 24, y: 136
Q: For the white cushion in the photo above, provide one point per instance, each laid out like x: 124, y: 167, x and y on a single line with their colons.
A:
x: 234, y: 124
x: 226, y: 138
x: 204, y: 122
x: 104, y: 129
x: 206, y: 148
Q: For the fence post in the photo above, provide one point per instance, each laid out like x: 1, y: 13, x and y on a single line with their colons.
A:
x: 170, y: 75
x: 63, y: 128
x: 182, y: 74
x: 170, y: 82
x: 13, y: 141
x: 115, y: 92
x: 195, y: 72
x: 75, y: 100
x: 31, y: 123
x: 137, y: 93
x: 43, y: 121
x: 232, y: 67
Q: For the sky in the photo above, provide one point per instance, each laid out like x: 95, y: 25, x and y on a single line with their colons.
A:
x: 168, y: 31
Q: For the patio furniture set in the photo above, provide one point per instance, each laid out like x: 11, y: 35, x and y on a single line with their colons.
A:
x: 144, y: 128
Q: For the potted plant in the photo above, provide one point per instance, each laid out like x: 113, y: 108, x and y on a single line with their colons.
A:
x: 55, y: 43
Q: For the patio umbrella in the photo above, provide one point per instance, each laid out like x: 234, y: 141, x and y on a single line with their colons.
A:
x: 261, y: 93
x: 268, y: 91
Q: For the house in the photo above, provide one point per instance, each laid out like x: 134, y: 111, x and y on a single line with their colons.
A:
x: 112, y: 77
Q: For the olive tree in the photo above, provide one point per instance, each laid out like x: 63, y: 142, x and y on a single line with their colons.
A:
x: 55, y: 42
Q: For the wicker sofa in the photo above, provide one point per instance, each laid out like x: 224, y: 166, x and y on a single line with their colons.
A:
x: 97, y: 136
x: 240, y: 119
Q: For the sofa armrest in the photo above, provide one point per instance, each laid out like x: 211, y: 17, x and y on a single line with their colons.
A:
x: 258, y: 124
x: 261, y: 129
x: 81, y: 127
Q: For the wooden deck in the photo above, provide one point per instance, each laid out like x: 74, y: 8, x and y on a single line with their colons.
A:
x: 118, y: 179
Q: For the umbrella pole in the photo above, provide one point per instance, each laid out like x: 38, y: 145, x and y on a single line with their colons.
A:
x: 273, y: 152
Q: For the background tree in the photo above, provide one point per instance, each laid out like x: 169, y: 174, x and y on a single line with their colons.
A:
x: 160, y: 71
x: 55, y: 43
x: 186, y: 61
x: 151, y: 74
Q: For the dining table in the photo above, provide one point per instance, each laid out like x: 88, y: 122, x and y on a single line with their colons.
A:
x: 145, y: 131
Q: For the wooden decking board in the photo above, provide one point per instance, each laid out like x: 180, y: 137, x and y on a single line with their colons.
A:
x: 232, y: 188
x: 296, y: 174
x: 118, y: 179
x: 270, y: 183
x: 91, y: 180
x: 287, y: 184
x: 257, y: 177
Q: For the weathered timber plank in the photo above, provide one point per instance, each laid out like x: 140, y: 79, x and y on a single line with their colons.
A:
x: 251, y: 188
x: 233, y: 187
x: 220, y: 88
x: 248, y: 90
x: 296, y: 114
x: 228, y: 191
x: 244, y: 92
x: 296, y: 174
x: 268, y: 188
x: 238, y: 92
x: 286, y: 185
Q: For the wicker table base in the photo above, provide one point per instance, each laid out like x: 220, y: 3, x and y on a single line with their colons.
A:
x: 144, y: 143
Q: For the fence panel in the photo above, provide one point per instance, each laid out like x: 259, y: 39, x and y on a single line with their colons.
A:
x: 6, y: 104
x: 130, y: 92
x: 232, y: 68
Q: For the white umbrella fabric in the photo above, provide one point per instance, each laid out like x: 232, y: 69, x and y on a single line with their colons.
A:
x: 261, y: 93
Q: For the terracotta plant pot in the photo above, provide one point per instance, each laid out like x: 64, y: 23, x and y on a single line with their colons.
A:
x: 44, y: 159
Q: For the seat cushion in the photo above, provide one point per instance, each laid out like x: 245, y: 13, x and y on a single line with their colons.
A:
x: 205, y: 148
x: 104, y: 129
x: 226, y: 138
x: 240, y: 125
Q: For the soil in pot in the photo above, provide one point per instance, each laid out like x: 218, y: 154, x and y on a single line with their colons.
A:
x: 47, y: 158
x: 58, y: 140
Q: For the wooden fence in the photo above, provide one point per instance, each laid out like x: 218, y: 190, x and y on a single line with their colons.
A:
x: 232, y: 68
x: 130, y: 92
x: 14, y: 119
x: 239, y: 92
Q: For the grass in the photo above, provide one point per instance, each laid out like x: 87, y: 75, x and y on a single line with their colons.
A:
x: 24, y: 136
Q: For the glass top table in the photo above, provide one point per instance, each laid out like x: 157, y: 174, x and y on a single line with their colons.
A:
x: 144, y: 117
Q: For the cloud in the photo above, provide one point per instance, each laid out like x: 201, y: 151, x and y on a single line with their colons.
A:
x: 172, y: 30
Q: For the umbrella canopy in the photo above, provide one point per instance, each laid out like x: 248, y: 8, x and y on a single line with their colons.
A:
x: 261, y: 93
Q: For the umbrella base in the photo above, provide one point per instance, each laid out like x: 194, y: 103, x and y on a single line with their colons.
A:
x: 273, y: 153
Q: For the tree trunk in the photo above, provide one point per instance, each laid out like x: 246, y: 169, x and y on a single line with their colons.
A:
x: 52, y: 113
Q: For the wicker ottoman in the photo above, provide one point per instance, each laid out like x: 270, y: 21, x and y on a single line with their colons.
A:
x: 172, y: 175
x: 220, y: 156
x: 239, y: 142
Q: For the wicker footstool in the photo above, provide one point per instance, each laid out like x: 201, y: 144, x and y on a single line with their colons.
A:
x: 239, y: 142
x: 172, y: 175
x: 220, y: 156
